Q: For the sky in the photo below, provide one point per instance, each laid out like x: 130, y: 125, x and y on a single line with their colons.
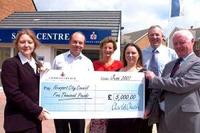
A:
x: 136, y: 14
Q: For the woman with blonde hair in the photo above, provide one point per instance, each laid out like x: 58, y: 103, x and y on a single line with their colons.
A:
x: 20, y: 80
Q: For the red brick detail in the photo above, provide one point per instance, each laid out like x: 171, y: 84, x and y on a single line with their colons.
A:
x: 7, y: 7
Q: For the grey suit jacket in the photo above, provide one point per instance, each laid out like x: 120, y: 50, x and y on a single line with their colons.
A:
x: 182, y: 96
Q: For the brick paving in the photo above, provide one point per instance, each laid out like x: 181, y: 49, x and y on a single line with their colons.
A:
x: 48, y: 126
x: 2, y: 104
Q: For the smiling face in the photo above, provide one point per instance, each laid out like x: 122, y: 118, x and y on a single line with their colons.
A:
x: 26, y: 45
x: 26, y: 42
x: 155, y: 37
x: 107, y: 50
x: 183, y: 43
x: 77, y: 43
x: 131, y: 55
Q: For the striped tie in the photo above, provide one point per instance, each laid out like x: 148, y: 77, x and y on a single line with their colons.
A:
x: 153, y: 65
x: 176, y: 66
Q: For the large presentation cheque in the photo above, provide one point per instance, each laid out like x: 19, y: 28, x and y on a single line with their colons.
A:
x: 70, y: 95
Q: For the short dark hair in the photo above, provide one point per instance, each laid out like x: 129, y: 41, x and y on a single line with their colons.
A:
x: 107, y: 40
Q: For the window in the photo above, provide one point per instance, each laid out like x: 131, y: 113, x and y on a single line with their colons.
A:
x: 4, y: 54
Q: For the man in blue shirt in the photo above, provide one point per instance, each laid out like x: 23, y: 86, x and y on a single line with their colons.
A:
x: 155, y: 57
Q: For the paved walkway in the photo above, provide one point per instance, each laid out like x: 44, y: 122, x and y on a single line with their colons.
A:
x: 2, y: 104
x: 48, y: 126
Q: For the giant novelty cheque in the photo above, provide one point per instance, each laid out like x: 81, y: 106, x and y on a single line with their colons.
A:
x: 71, y: 95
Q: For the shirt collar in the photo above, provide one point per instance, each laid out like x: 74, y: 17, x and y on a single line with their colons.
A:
x: 158, y: 49
x: 24, y: 60
x: 188, y: 56
x: 70, y: 55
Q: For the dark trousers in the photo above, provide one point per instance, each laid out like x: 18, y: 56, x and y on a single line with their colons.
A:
x: 136, y: 125
x: 145, y: 128
x: 76, y: 125
x: 37, y: 129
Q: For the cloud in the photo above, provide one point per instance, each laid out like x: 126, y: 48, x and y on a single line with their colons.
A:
x: 136, y: 14
x: 190, y: 16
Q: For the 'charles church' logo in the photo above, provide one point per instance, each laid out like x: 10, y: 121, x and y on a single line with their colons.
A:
x: 93, y: 36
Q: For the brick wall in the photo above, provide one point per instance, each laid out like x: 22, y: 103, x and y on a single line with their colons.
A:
x: 7, y: 7
x: 143, y: 42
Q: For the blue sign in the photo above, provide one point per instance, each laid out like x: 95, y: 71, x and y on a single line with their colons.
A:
x: 57, y: 36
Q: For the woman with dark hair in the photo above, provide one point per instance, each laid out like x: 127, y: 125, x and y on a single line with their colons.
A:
x: 132, y: 60
x: 20, y: 80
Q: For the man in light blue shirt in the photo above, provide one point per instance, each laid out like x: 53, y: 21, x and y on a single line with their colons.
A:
x: 157, y: 55
x: 72, y: 60
x: 164, y: 54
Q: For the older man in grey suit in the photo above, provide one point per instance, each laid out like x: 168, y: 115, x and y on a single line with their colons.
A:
x: 180, y: 86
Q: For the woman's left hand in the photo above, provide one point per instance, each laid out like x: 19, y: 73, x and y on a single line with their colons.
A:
x: 44, y: 115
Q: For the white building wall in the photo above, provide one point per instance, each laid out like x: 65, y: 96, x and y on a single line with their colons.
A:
x: 117, y: 53
x: 47, y: 53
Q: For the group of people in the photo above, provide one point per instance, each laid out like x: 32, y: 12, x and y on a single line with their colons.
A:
x: 171, y: 91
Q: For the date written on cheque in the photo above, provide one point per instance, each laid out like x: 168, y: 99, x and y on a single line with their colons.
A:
x: 123, y: 97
